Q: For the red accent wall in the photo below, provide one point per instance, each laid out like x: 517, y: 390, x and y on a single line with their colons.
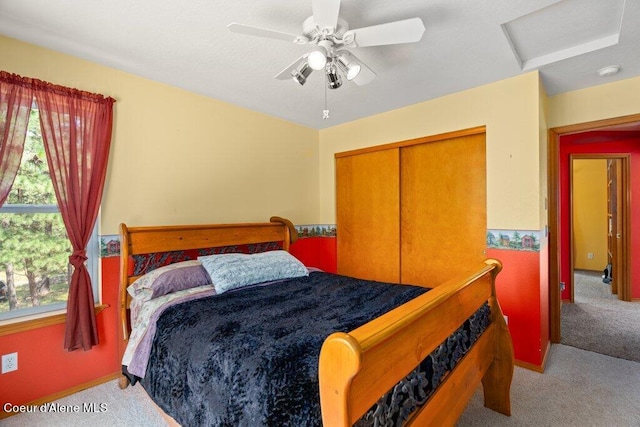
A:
x: 599, y: 142
x: 319, y: 252
x: 524, y: 300
x: 46, y: 368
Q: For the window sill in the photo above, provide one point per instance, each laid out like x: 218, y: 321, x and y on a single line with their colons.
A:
x: 12, y: 326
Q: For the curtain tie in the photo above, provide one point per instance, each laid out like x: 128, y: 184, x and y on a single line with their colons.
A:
x: 78, y: 258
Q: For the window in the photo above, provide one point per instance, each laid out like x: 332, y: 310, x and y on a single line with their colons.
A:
x: 34, y: 248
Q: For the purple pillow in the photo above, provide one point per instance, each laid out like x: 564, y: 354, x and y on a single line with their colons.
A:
x: 171, y: 278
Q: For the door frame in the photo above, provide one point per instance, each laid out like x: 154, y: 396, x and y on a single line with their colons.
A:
x: 624, y: 291
x: 553, y: 184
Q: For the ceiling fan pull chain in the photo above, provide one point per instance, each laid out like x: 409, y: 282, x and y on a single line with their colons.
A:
x: 325, y: 112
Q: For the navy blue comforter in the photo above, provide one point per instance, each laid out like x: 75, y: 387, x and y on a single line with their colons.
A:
x: 250, y: 357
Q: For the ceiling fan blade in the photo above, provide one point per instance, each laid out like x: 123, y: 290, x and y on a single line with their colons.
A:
x: 286, y: 73
x: 405, y: 31
x: 263, y: 32
x: 325, y: 13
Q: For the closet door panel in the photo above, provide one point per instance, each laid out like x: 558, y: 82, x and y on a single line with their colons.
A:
x: 368, y: 215
x: 443, y: 208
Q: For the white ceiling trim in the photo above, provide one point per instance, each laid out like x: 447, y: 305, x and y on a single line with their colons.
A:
x: 573, y: 51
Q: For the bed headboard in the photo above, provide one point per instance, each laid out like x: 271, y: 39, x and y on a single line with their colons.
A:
x: 143, y: 249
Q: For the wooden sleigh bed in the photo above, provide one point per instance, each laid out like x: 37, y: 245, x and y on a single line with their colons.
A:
x: 357, y: 367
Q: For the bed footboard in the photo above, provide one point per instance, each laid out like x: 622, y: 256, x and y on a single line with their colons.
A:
x: 357, y: 368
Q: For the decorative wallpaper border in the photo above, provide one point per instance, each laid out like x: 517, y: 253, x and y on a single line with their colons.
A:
x: 316, y: 230
x: 109, y: 245
x: 515, y: 240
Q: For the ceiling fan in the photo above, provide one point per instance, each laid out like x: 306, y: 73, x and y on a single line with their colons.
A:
x: 330, y: 35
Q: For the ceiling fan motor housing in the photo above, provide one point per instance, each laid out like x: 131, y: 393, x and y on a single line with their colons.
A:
x: 311, y: 30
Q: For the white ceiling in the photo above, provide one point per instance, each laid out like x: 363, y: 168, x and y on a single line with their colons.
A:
x: 467, y: 43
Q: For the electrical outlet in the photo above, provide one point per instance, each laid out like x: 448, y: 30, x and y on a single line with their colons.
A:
x: 9, y: 362
x: 590, y: 255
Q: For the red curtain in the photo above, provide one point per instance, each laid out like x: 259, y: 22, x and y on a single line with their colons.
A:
x: 15, y: 106
x: 76, y: 131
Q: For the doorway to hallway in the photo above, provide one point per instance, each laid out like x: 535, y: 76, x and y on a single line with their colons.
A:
x: 591, y: 135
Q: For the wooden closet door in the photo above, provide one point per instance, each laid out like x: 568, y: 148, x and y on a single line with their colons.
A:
x: 443, y: 208
x: 368, y: 215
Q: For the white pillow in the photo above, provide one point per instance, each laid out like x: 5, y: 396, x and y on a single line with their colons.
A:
x: 235, y: 270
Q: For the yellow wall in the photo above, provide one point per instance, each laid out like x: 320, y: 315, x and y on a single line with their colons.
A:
x: 178, y: 157
x: 589, y: 182
x: 543, y: 147
x: 605, y: 101
x: 510, y: 110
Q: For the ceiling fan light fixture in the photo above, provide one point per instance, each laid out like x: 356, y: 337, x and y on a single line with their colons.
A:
x: 317, y: 58
x: 301, y: 73
x: 350, y: 68
x: 333, y: 78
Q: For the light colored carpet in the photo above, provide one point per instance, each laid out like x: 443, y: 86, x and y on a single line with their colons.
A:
x: 579, y: 388
x: 598, y: 321
x: 129, y: 407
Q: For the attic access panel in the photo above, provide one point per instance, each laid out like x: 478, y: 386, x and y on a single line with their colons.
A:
x: 564, y: 30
